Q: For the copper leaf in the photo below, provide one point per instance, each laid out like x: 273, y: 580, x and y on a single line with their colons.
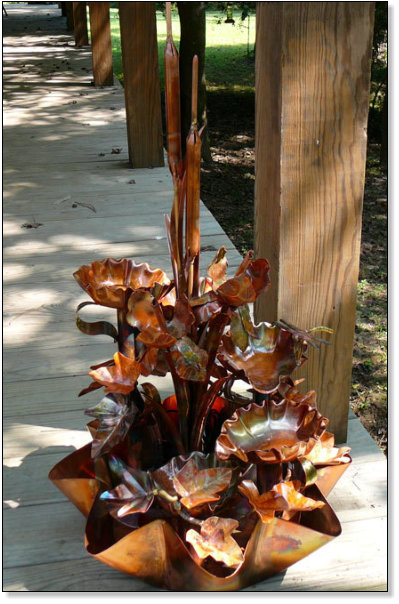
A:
x: 197, y: 487
x: 284, y: 497
x: 121, y: 377
x: 141, y: 313
x: 115, y: 420
x: 190, y: 360
x: 183, y: 318
x: 218, y: 267
x: 216, y: 541
x: 134, y: 494
x: 155, y: 338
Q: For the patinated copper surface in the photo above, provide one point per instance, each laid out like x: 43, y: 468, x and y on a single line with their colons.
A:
x: 107, y: 281
x: 270, y: 432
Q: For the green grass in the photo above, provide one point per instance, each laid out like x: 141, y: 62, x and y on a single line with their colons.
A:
x: 227, y: 63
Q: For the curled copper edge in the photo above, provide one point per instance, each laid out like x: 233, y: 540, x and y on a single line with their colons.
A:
x: 156, y: 554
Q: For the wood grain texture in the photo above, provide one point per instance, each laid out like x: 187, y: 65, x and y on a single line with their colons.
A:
x: 325, y: 570
x: 80, y: 24
x: 141, y: 83
x: 101, y: 44
x: 310, y: 177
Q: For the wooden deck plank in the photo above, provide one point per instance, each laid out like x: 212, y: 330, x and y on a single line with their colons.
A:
x: 324, y: 570
x: 34, y: 398
x: 54, y: 235
x: 22, y: 365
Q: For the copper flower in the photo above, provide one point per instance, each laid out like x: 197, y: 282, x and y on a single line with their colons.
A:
x: 263, y: 352
x: 270, y: 432
x: 108, y: 281
x: 325, y: 453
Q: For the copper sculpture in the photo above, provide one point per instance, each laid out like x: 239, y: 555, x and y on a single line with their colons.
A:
x: 206, y: 489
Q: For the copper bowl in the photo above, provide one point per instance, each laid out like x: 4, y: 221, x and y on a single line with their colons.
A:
x: 156, y: 554
x: 109, y: 281
x: 271, y: 432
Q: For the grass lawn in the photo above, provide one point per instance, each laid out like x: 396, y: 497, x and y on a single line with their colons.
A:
x: 226, y: 49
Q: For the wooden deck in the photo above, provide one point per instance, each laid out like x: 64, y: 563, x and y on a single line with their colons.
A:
x: 63, y: 177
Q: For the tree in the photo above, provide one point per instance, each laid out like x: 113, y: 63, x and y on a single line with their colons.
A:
x: 192, y: 42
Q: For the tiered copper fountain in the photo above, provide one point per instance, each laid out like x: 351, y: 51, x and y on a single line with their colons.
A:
x: 207, y: 489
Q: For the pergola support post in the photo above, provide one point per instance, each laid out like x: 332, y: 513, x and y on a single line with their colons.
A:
x: 141, y: 83
x: 101, y: 44
x: 80, y: 24
x: 312, y: 98
x: 69, y: 14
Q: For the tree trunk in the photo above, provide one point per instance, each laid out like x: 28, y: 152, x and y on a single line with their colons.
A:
x: 384, y: 133
x: 192, y: 42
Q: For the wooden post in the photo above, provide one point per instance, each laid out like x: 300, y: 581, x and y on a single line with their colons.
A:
x: 69, y: 14
x: 101, y: 44
x: 80, y: 24
x: 141, y: 83
x: 312, y: 97
x: 62, y: 6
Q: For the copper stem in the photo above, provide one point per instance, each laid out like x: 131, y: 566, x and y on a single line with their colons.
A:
x: 268, y: 476
x: 193, y: 161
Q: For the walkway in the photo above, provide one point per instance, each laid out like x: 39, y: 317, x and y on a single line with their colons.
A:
x: 70, y: 198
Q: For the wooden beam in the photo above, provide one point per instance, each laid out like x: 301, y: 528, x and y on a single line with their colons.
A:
x: 69, y: 14
x: 141, y: 83
x: 312, y: 97
x: 101, y: 44
x: 80, y: 24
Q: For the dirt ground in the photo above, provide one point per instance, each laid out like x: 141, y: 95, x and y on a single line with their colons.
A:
x: 227, y: 189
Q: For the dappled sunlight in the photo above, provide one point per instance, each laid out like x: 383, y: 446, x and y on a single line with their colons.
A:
x: 22, y: 439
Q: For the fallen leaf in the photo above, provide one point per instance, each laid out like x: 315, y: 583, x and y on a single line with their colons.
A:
x: 84, y: 205
x: 31, y: 225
